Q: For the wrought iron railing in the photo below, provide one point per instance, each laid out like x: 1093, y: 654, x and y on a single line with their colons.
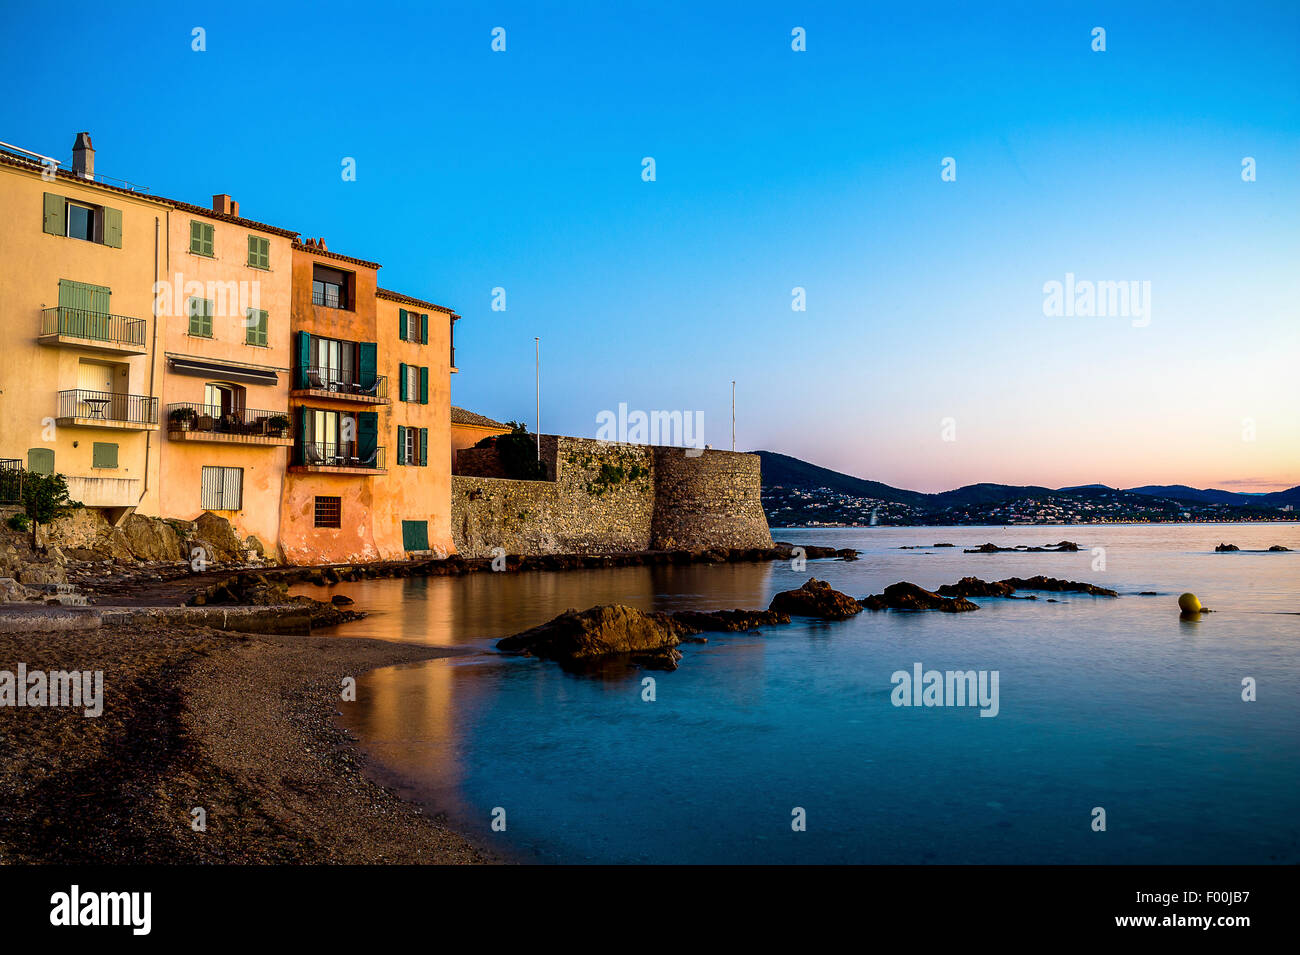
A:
x: 340, y: 455
x: 211, y: 419
x: 97, y: 326
x: 108, y: 406
x: 331, y: 379
x: 11, y: 480
x: 330, y: 296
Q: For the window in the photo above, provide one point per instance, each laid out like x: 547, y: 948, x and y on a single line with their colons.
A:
x: 40, y: 460
x: 221, y: 401
x: 81, y: 222
x: 202, y: 238
x: 201, y: 311
x: 259, y: 252
x: 222, y: 489
x: 410, y: 382
x: 329, y: 511
x: 413, y: 327
x: 104, y: 455
x: 412, y: 446
x: 330, y: 287
x: 255, y: 327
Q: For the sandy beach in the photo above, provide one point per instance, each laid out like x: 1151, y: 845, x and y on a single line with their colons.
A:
x: 241, y: 725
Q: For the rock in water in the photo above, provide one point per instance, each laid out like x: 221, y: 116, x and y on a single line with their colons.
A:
x: 974, y: 587
x: 908, y: 596
x: 1226, y: 548
x: 577, y: 636
x: 729, y: 621
x: 816, y: 598
x: 1279, y: 547
x: 1058, y: 586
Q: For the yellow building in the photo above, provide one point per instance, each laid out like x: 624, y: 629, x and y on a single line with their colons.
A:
x: 79, y: 369
x: 469, y: 428
x: 224, y: 310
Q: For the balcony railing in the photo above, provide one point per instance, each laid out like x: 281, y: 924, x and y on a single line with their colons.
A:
x: 96, y: 326
x: 11, y: 480
x: 344, y: 455
x: 108, y: 406
x: 211, y: 419
x: 330, y: 297
x: 332, y: 380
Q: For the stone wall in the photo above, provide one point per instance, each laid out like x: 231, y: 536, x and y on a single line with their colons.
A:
x: 606, y: 498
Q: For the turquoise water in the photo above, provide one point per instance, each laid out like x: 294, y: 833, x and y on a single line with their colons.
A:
x: 1117, y: 704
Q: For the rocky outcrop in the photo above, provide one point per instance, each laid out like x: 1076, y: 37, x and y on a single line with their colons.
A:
x: 816, y: 598
x: 579, y: 637
x: 218, y: 537
x: 908, y: 596
x: 1279, y: 547
x: 729, y: 621
x: 1058, y: 586
x: 149, y: 539
x: 1226, y: 548
x: 86, y: 535
x: 974, y: 587
x: 1058, y: 548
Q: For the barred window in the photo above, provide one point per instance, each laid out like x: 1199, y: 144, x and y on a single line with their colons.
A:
x: 329, y: 511
x: 222, y: 489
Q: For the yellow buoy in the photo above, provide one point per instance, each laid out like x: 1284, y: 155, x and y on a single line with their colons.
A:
x: 1188, y: 603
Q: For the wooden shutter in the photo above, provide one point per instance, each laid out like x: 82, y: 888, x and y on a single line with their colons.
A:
x: 113, y: 227
x: 401, y: 385
x: 367, y: 365
x: 103, y: 455
x: 302, y: 360
x: 401, y: 324
x: 259, y: 252
x: 40, y: 460
x: 196, y: 236
x: 424, y: 447
x: 401, y: 445
x: 56, y: 214
x: 424, y: 386
x: 367, y: 434
x: 256, y: 327
x: 424, y: 329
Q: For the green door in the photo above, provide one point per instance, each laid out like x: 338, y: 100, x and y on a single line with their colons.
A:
x: 415, y: 535
x: 83, y: 310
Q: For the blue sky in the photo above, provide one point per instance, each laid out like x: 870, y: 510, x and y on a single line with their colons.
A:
x: 775, y: 169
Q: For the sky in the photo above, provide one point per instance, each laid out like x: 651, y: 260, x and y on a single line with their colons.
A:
x: 923, y: 356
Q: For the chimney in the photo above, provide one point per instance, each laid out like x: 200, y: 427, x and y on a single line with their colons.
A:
x: 225, y: 205
x: 83, y: 157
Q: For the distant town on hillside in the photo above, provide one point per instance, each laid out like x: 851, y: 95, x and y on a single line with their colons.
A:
x: 799, y: 494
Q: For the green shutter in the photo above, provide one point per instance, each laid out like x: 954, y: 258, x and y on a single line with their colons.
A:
x: 56, y: 213
x: 40, y: 460
x: 367, y: 370
x: 104, y: 455
x: 300, y: 452
x: 202, y: 238
x: 201, y: 312
x: 415, y: 535
x: 367, y: 434
x: 401, y: 382
x: 424, y: 386
x: 196, y: 236
x: 424, y: 329
x: 255, y: 327
x: 303, y: 359
x: 401, y: 444
x: 259, y: 252
x: 113, y: 227
x: 401, y: 324
x: 424, y: 447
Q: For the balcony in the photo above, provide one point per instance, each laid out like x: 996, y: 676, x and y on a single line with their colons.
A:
x: 104, y: 491
x: 314, y: 382
x: 104, y: 409
x: 92, y: 331
x: 187, y: 421
x: 326, y: 458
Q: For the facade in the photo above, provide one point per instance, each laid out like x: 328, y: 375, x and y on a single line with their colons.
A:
x: 173, y: 359
x: 79, y: 376
x: 224, y: 314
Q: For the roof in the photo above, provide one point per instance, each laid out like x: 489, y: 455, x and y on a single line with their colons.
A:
x: 461, y: 416
x: 411, y: 300
x: 301, y: 246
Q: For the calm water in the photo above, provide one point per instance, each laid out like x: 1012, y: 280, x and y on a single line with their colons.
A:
x: 1110, y: 703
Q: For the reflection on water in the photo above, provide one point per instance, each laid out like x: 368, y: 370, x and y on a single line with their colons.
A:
x: 1113, y: 703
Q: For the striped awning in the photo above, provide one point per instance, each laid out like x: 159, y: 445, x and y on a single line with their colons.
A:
x: 223, y: 370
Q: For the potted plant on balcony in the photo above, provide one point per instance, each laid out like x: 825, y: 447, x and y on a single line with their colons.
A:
x: 182, y: 419
x: 277, y: 426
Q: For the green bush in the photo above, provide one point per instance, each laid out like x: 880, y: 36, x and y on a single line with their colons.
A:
x: 19, y: 522
x: 46, y: 497
x: 518, y: 453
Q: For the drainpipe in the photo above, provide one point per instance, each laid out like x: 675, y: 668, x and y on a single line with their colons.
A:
x: 153, y: 361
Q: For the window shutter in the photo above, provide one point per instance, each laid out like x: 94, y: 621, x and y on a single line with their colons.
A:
x: 113, y: 227
x: 301, y: 450
x: 367, y: 434
x: 259, y: 252
x: 401, y: 324
x: 196, y: 236
x: 303, y: 360
x: 40, y: 460
x: 368, y: 360
x: 256, y: 327
x: 424, y: 329
x: 424, y: 386
x: 104, y: 455
x: 401, y: 387
x: 424, y: 447
x: 56, y: 211
x: 401, y: 444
